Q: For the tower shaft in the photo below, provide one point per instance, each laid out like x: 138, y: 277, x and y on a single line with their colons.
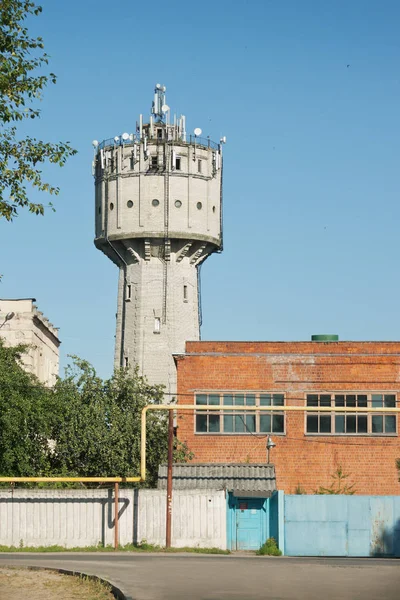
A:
x: 158, y: 217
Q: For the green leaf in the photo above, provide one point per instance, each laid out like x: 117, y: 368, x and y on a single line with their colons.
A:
x: 22, y: 59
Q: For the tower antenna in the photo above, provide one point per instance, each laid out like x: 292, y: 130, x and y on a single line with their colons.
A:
x: 159, y: 107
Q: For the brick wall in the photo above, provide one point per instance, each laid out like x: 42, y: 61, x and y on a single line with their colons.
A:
x: 296, y: 368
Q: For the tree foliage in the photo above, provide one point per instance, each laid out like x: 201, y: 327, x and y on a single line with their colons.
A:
x: 22, y: 81
x: 25, y: 418
x: 339, y: 485
x: 83, y: 427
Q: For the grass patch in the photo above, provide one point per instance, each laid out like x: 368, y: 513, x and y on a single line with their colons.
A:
x: 269, y: 548
x: 38, y: 584
x: 142, y: 547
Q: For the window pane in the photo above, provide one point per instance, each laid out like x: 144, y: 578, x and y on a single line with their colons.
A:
x: 265, y: 423
x: 265, y: 400
x: 362, y: 424
x: 213, y: 399
x: 250, y: 421
x: 325, y: 400
x: 377, y: 424
x: 325, y: 423
x: 390, y: 424
x: 201, y: 423
x: 239, y: 424
x: 390, y: 401
x: 278, y: 399
x: 201, y: 399
x: 228, y: 423
x: 239, y: 400
x: 277, y: 423
x: 339, y: 400
x: 250, y: 400
x: 228, y: 399
x: 312, y: 423
x: 213, y: 423
x: 351, y: 421
x: 377, y: 400
x: 350, y: 400
x: 362, y: 400
x: 312, y: 400
x: 339, y: 424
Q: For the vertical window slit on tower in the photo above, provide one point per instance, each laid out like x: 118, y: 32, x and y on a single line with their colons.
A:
x: 185, y: 293
x: 157, y: 324
x: 178, y: 163
x: 128, y: 291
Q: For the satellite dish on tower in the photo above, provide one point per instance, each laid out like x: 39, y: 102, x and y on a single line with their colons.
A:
x: 197, y: 131
x: 158, y: 86
x: 116, y: 139
x: 165, y: 108
x: 125, y: 136
x: 95, y: 143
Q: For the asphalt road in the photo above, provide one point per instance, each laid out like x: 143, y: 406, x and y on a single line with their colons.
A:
x: 206, y: 577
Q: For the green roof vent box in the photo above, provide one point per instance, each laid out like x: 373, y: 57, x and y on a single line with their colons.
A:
x: 325, y: 337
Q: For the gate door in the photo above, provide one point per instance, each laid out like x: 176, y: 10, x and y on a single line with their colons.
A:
x: 249, y: 529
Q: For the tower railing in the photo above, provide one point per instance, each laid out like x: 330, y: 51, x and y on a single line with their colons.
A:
x: 190, y: 139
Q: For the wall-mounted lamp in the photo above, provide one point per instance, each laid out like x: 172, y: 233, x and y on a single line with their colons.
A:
x: 8, y: 317
x: 270, y: 444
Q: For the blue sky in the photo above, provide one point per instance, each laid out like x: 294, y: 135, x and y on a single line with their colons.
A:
x: 311, y: 171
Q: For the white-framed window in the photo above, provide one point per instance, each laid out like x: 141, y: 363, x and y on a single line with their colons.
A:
x: 346, y: 423
x: 240, y: 423
x: 128, y: 292
x: 157, y: 325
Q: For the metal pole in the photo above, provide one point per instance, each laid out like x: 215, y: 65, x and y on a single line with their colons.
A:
x: 169, y: 477
x: 116, y: 518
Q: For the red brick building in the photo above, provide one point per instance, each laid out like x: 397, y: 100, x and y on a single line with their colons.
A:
x: 310, y: 446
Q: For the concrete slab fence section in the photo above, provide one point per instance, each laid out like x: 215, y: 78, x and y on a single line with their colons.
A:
x: 80, y: 518
x: 198, y: 518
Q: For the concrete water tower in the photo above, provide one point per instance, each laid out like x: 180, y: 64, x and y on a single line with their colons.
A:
x: 158, y: 217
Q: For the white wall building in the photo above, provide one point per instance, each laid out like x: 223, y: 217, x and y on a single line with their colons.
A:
x: 158, y: 216
x: 29, y: 326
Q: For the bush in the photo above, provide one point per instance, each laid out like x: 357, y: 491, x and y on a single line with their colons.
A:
x: 269, y: 548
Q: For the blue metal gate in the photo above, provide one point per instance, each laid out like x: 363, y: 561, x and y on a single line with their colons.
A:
x: 342, y: 525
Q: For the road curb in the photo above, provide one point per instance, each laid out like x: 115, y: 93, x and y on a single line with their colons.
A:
x: 117, y: 591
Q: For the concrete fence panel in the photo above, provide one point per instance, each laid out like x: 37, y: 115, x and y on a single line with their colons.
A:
x: 198, y: 518
x: 63, y: 517
x: 80, y: 518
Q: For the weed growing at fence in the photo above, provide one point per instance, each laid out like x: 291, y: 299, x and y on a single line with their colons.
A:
x: 269, y: 548
x: 142, y: 547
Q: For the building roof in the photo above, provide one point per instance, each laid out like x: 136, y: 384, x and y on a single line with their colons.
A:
x: 240, y: 477
x: 349, y: 348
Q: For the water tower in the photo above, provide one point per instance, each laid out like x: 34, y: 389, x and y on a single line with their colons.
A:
x: 158, y: 195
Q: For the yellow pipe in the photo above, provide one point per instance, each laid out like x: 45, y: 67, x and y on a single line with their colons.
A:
x: 233, y: 408
x: 69, y: 479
